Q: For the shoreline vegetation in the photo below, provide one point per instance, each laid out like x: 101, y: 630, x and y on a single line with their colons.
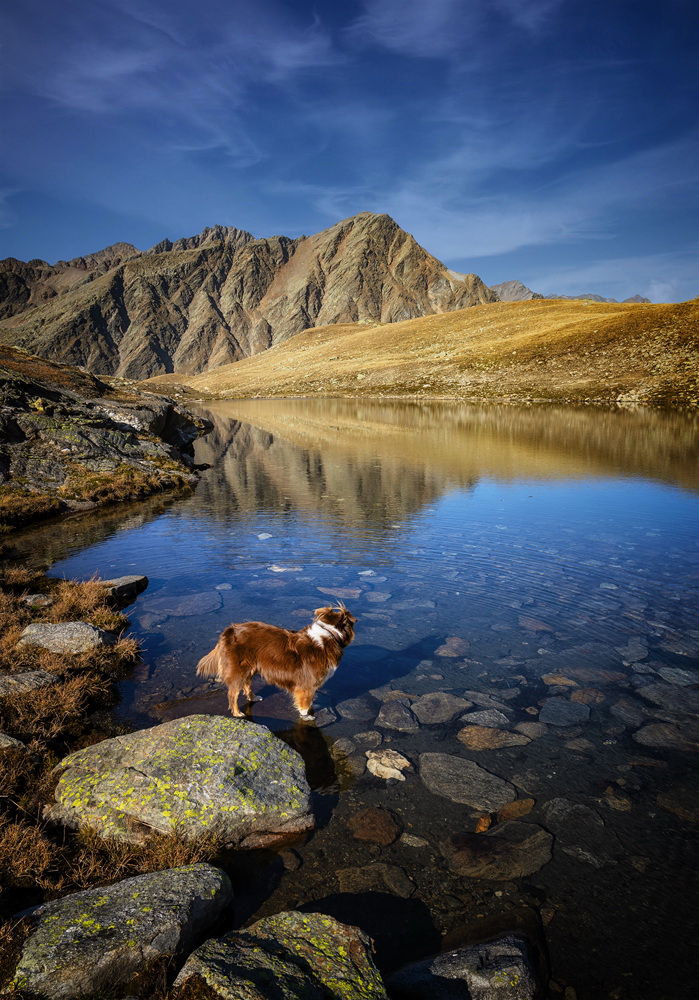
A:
x: 40, y: 861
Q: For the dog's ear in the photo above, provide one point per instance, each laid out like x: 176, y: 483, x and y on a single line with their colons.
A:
x: 321, y: 611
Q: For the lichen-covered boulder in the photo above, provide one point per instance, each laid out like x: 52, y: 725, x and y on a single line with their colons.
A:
x: 502, y: 969
x: 28, y: 680
x: 66, y: 637
x: 201, y: 774
x: 293, y: 955
x: 102, y: 937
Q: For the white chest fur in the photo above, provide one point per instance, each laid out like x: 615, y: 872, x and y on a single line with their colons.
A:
x: 320, y: 631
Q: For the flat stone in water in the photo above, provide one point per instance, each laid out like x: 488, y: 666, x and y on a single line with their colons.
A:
x: 669, y: 697
x: 587, y: 696
x: 454, y: 645
x: 532, y: 729
x: 66, y: 637
x: 99, y: 938
x: 325, y: 717
x: 490, y: 717
x: 682, y: 678
x: 682, y: 801
x: 376, y: 877
x: 502, y: 968
x: 397, y: 715
x: 29, y: 680
x: 508, y: 850
x: 370, y: 738
x: 312, y: 955
x: 200, y: 774
x: 485, y: 700
x: 580, y: 832
x: 186, y: 606
x: 341, y: 593
x: 465, y: 782
x: 438, y: 707
x: 358, y: 709
x: 561, y: 712
x: 486, y: 738
x: 378, y: 596
x: 665, y: 736
x: 379, y: 826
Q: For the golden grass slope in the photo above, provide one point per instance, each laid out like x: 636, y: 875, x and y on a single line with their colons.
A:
x: 536, y: 350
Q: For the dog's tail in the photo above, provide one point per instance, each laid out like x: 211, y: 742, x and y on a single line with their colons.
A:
x: 210, y: 665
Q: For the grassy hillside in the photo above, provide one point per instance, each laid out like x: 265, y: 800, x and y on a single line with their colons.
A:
x: 558, y: 350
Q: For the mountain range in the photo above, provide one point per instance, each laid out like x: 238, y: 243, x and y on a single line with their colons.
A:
x: 201, y: 302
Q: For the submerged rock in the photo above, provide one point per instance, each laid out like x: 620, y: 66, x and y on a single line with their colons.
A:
x: 124, y: 588
x: 508, y: 850
x: 358, y: 709
x: 486, y: 738
x: 396, y: 714
x: 581, y: 833
x: 186, y: 606
x: 501, y: 969
x: 453, y: 646
x: 464, y: 781
x: 665, y: 736
x: 561, y: 712
x: 96, y: 939
x: 438, y: 707
x: 490, y: 717
x: 66, y: 637
x: 297, y: 956
x: 201, y: 774
x: 379, y: 826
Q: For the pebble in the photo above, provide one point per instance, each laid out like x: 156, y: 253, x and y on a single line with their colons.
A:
x: 264, y: 535
x: 617, y: 799
x: 410, y: 840
x: 513, y: 810
x: 558, y: 679
x: 532, y: 729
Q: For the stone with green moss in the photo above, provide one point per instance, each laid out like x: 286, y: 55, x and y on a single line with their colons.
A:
x: 102, y: 937
x: 290, y: 956
x: 198, y: 775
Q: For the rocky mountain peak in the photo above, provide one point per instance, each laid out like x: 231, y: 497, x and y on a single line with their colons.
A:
x: 209, y: 236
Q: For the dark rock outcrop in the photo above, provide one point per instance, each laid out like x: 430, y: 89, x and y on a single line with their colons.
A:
x: 198, y: 303
x: 69, y: 440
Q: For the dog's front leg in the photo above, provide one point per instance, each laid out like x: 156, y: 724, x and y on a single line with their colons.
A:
x: 252, y: 698
x: 304, y: 703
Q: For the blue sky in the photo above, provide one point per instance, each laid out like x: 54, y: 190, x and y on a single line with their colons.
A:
x: 554, y: 141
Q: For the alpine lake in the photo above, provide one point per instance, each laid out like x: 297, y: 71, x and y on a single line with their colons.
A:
x: 535, y: 571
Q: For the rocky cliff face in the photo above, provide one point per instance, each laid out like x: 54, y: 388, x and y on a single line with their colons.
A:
x: 514, y: 291
x: 221, y: 296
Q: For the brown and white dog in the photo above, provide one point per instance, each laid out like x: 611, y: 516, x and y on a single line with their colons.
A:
x: 299, y: 662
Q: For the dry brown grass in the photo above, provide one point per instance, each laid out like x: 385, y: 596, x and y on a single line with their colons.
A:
x: 86, y: 602
x: 543, y: 349
x: 16, y: 767
x: 20, y: 506
x: 125, y: 483
x: 53, y: 711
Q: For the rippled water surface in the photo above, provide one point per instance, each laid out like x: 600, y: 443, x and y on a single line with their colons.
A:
x: 506, y: 556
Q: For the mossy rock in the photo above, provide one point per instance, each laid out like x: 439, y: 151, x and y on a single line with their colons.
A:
x: 101, y: 938
x: 299, y: 956
x: 198, y: 775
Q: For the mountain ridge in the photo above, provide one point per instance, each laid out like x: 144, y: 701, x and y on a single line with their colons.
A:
x: 221, y: 296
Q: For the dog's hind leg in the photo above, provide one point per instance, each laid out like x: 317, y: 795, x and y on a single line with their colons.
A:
x: 304, y: 703
x: 252, y: 698
x: 233, y: 692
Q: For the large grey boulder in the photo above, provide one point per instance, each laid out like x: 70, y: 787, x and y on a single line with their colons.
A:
x: 465, y: 781
x: 101, y: 937
x: 66, y: 637
x: 201, y: 774
x: 297, y: 956
x: 499, y: 970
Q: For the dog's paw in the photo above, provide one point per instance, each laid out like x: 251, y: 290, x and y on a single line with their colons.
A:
x: 255, y: 697
x: 307, y: 716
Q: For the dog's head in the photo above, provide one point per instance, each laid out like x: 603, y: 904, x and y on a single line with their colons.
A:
x: 340, y: 618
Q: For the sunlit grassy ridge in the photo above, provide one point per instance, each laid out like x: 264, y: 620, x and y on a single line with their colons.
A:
x: 541, y: 349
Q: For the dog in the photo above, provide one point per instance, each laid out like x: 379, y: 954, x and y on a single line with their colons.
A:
x: 299, y: 662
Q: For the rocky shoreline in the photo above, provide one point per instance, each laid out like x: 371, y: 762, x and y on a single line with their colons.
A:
x: 70, y: 441
x: 216, y: 783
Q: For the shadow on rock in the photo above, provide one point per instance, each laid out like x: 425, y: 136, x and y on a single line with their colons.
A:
x: 401, y: 929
